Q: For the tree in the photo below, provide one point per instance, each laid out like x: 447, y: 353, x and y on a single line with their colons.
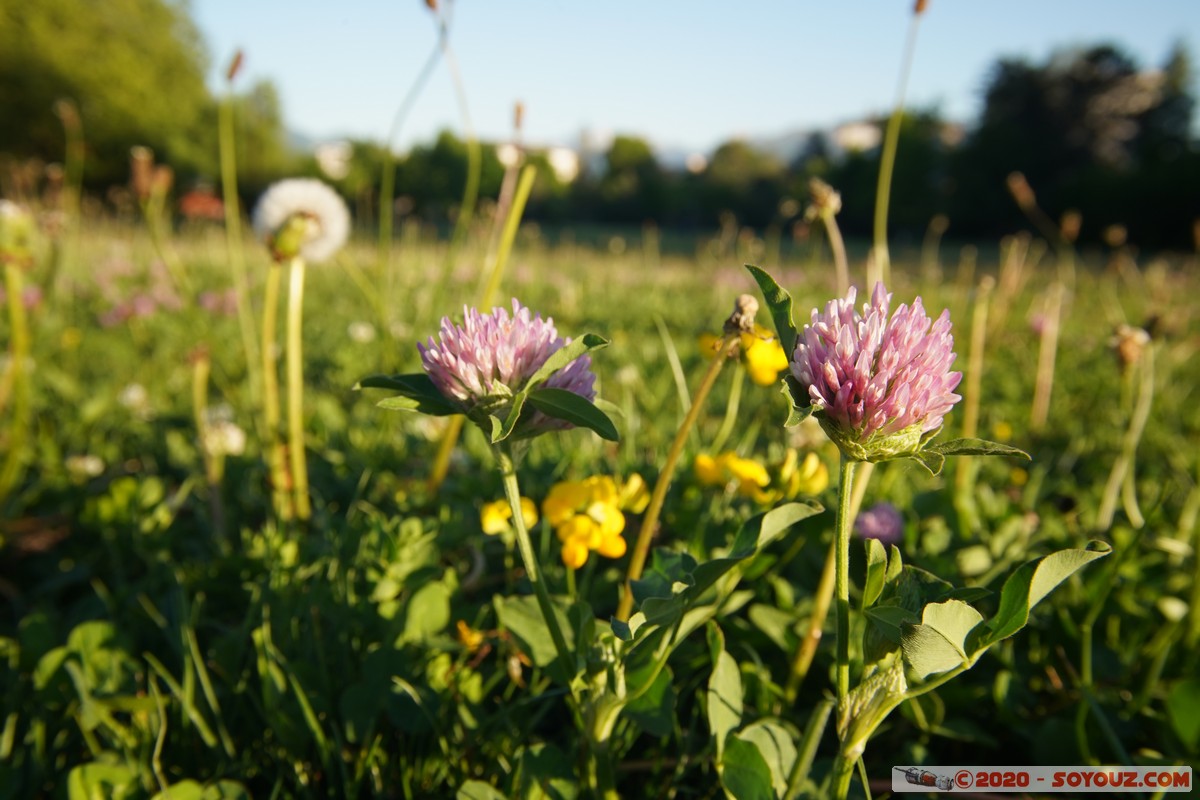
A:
x: 135, y: 68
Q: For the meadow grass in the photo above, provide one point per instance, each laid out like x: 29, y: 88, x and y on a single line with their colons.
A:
x: 143, y: 651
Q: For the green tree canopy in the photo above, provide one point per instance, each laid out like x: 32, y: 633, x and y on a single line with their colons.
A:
x: 135, y: 68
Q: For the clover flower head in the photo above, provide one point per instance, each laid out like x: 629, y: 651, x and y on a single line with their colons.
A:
x: 482, y: 363
x: 882, y: 384
x: 302, y: 216
x: 883, y: 522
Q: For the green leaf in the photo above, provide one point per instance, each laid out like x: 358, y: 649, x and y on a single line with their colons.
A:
x: 544, y: 772
x: 724, y: 698
x: 184, y: 790
x: 776, y: 744
x: 428, y: 613
x: 876, y: 572
x: 564, y: 356
x: 938, y: 644
x: 761, y: 530
x: 976, y: 447
x: 931, y: 460
x: 477, y: 790
x: 100, y: 781
x: 1032, y: 581
x: 780, y: 304
x: 654, y: 708
x: 889, y: 619
x: 1183, y: 709
x: 521, y: 617
x: 568, y: 406
x: 797, y: 412
x: 744, y: 772
x: 501, y: 430
x: 416, y: 388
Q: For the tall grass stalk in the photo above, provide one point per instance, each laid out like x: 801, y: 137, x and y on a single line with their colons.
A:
x: 887, y: 163
x: 73, y: 163
x: 387, y: 187
x: 234, y: 243
x: 14, y: 460
x: 1047, y: 353
x: 637, y: 561
x: 966, y: 470
x: 1122, y: 469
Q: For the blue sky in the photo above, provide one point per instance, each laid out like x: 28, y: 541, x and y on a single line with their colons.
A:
x: 686, y: 74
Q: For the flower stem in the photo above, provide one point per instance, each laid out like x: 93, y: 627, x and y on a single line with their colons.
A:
x: 887, y: 163
x: 295, y: 387
x: 233, y: 243
x: 838, y: 245
x: 508, y: 474
x: 842, y: 581
x: 731, y: 410
x: 637, y: 561
x: 1123, y: 466
x: 276, y: 461
x: 10, y: 472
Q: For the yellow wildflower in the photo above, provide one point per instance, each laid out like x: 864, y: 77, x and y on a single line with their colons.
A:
x: 763, y: 484
x: 496, y: 517
x: 635, y: 495
x: 470, y: 638
x: 809, y: 477
x: 588, y: 515
x: 761, y: 354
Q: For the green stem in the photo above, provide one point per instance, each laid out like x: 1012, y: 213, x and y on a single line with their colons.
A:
x: 806, y: 750
x: 1133, y: 435
x: 276, y: 460
x: 533, y: 571
x: 816, y: 621
x: 887, y: 163
x: 842, y: 581
x: 10, y: 473
x: 641, y: 548
x: 387, y: 189
x: 295, y: 387
x: 838, y: 245
x: 233, y: 242
x: 731, y: 411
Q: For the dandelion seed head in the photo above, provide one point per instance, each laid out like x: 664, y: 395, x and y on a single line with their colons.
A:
x: 307, y: 209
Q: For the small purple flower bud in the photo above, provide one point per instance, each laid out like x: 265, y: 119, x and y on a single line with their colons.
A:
x: 883, y: 522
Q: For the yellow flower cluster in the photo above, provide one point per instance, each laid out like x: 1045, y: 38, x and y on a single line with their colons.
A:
x: 762, y: 355
x: 588, y: 515
x: 496, y: 517
x: 765, y: 486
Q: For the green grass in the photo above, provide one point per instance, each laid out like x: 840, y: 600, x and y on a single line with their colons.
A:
x: 141, y: 650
